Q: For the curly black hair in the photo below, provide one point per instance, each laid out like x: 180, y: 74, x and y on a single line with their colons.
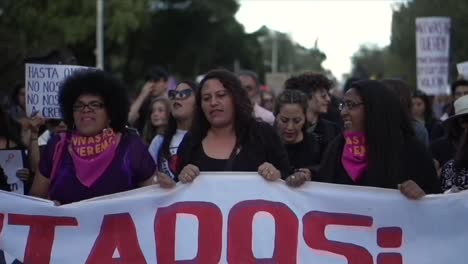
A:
x: 292, y: 97
x: 99, y: 83
x: 308, y: 83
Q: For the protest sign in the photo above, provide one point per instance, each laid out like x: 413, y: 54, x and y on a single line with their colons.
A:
x: 11, y: 161
x: 42, y: 88
x: 238, y: 218
x: 433, y: 54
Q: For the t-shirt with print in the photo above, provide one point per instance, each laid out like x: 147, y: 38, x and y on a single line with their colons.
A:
x: 165, y: 166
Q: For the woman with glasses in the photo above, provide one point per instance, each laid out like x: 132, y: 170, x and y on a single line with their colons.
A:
x: 378, y: 147
x: 98, y: 156
x: 165, y: 149
x: 227, y: 137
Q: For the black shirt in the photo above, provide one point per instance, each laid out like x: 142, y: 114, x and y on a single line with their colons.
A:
x: 443, y: 150
x: 261, y: 145
x: 304, y: 154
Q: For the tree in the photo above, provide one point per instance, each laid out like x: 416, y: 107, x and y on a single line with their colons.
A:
x: 403, y: 46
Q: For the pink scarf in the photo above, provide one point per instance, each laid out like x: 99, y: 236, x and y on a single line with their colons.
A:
x: 354, y: 158
x: 93, y: 155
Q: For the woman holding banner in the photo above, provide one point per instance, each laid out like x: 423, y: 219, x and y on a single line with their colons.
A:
x: 226, y: 136
x: 98, y: 156
x: 378, y: 147
x: 303, y: 148
x: 166, y: 149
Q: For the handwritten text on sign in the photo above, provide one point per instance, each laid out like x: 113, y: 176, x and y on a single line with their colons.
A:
x: 227, y: 218
x: 42, y: 88
x: 432, y: 52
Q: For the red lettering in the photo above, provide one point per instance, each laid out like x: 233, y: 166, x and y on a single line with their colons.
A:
x: 210, y: 228
x: 2, y: 216
x: 240, y: 232
x: 41, y: 234
x: 315, y: 223
x: 118, y: 231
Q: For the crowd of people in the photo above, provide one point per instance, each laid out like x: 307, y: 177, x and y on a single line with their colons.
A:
x: 378, y: 134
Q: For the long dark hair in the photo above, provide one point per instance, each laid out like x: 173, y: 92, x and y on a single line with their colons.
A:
x: 428, y: 112
x: 10, y: 129
x: 172, y: 126
x: 243, y: 119
x: 387, y: 126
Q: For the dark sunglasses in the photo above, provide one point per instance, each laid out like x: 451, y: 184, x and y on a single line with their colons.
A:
x: 184, y: 94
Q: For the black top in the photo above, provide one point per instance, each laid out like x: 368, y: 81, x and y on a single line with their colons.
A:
x: 305, y: 154
x: 262, y: 145
x: 416, y: 165
x: 324, y: 131
x: 443, y: 150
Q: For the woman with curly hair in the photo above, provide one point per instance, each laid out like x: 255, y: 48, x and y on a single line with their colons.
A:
x: 226, y: 136
x: 98, y: 156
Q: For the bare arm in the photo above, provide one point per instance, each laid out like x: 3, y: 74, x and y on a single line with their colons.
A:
x: 133, y: 115
x: 40, y: 187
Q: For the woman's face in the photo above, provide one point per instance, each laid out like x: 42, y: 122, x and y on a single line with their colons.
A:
x: 217, y: 104
x: 159, y: 114
x: 90, y: 115
x: 352, y: 111
x: 290, y: 121
x: 319, y: 102
x: 182, y: 102
x: 418, y: 107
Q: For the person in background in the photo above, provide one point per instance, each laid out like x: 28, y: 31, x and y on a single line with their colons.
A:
x: 54, y: 127
x: 156, y: 124
x: 455, y: 172
x: 227, y: 137
x: 303, y: 149
x: 10, y: 139
x: 316, y: 87
x: 378, y: 147
x: 97, y: 156
x: 166, y: 149
x: 403, y: 91
x: 18, y: 103
x: 422, y: 111
x: 251, y: 84
x: 267, y: 100
x: 156, y: 83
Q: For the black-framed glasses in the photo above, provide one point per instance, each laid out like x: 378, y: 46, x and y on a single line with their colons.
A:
x: 93, y: 106
x: 350, y: 105
x: 184, y: 94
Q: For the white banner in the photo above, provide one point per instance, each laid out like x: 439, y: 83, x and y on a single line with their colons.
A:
x: 42, y: 88
x: 238, y: 218
x: 433, y: 54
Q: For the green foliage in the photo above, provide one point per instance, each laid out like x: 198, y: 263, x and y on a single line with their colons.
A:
x: 399, y: 59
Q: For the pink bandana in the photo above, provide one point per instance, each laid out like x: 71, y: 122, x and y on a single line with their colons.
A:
x: 354, y: 158
x: 92, y: 155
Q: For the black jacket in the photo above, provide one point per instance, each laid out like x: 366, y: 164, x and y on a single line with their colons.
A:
x: 416, y: 165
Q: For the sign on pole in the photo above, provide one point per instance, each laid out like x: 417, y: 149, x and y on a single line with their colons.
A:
x: 432, y: 54
x: 42, y: 88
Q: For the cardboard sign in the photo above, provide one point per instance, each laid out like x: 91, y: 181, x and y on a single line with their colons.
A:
x: 11, y: 161
x: 42, y: 88
x: 432, y: 54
